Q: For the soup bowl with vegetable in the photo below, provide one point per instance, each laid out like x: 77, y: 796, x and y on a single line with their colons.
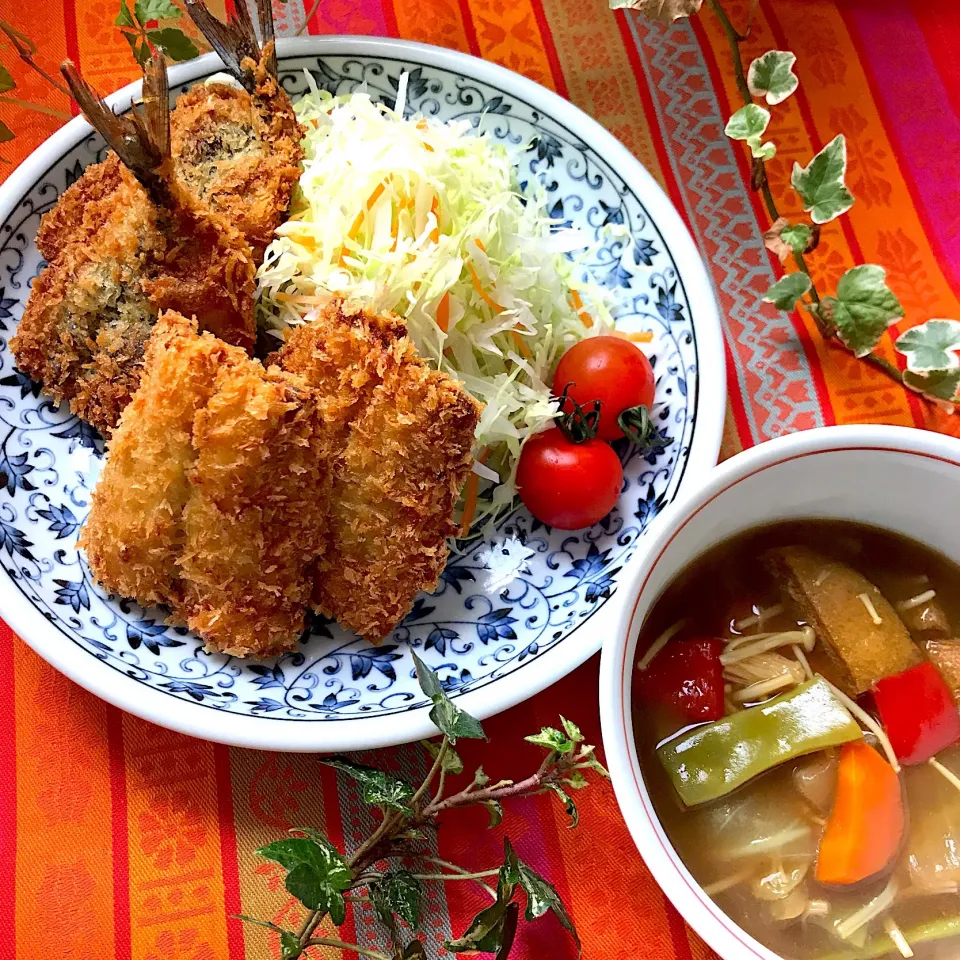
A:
x: 779, y: 702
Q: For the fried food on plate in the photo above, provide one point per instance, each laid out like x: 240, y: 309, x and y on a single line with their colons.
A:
x: 213, y: 499
x: 402, y: 434
x: 130, y: 242
x: 239, y: 150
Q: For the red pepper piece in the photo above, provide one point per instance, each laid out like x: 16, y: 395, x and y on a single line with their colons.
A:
x: 918, y: 713
x: 687, y: 678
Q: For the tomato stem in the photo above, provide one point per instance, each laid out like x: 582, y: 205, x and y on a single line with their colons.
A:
x: 640, y: 430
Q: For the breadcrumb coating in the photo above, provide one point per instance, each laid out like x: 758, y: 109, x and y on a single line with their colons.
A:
x: 213, y: 499
x: 402, y: 435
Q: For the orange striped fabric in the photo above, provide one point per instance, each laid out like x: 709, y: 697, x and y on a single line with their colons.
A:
x: 121, y: 840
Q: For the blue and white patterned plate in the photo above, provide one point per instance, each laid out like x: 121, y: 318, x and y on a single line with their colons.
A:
x: 513, y: 613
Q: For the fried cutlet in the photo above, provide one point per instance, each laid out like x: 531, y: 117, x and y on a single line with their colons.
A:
x: 129, y: 241
x: 402, y: 435
x: 213, y: 499
x: 239, y: 150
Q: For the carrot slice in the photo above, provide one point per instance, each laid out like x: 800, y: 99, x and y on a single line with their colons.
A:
x: 435, y: 210
x: 478, y: 286
x: 863, y: 834
x: 578, y: 306
x: 471, y: 490
x: 443, y: 312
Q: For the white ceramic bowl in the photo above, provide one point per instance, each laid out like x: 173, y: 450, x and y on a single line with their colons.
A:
x: 902, y: 479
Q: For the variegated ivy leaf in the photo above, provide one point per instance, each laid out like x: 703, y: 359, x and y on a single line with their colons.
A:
x: 749, y: 123
x: 863, y: 308
x: 5, y: 133
x: 785, y: 293
x: 6, y: 81
x: 931, y: 346
x: 820, y: 183
x: 940, y: 385
x: 772, y: 76
x: 664, y: 11
x: 784, y: 238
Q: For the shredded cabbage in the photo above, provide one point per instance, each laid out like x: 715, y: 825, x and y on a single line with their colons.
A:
x: 426, y: 219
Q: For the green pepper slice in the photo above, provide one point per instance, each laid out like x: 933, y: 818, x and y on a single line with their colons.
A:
x: 709, y: 761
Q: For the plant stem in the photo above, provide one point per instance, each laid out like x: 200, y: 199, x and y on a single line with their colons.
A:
x: 26, y: 48
x: 310, y: 924
x: 479, y: 875
x: 341, y: 945
x: 466, y: 798
x: 763, y: 184
x: 309, y: 16
x: 36, y: 107
x: 437, y: 765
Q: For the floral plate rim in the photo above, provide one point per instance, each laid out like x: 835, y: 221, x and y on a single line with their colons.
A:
x: 250, y: 731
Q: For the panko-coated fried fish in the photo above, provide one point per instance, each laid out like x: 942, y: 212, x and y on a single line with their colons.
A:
x: 232, y: 467
x: 402, y: 434
x: 130, y: 242
x: 239, y: 150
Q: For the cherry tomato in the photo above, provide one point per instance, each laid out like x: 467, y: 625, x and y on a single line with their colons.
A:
x: 568, y: 485
x: 611, y: 370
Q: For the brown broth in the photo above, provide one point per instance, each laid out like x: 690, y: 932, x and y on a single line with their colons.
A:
x: 720, y: 586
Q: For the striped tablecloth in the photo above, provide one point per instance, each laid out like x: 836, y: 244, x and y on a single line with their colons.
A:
x: 118, y: 839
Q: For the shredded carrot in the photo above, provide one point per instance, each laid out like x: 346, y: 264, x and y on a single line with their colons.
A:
x: 443, y: 312
x: 470, y: 496
x: 427, y: 147
x: 435, y: 210
x: 371, y: 200
x: 421, y: 124
x: 315, y: 123
x: 642, y: 336
x: 478, y: 286
x: 305, y: 241
x: 479, y: 243
x: 521, y: 345
x: 578, y: 306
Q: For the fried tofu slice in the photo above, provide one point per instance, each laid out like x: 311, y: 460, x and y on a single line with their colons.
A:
x: 403, y: 435
x: 213, y: 498
x: 860, y: 629
x: 257, y: 512
x: 134, y: 536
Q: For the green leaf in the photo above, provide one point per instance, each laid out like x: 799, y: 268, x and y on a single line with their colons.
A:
x: 552, y: 739
x: 495, y: 810
x: 6, y: 80
x: 939, y: 384
x: 290, y: 948
x: 785, y: 293
x: 509, y: 875
x: 571, y: 730
x: 414, y: 949
x: 796, y: 236
x: 6, y: 134
x: 138, y: 47
x: 317, y: 872
x: 577, y: 781
x: 124, y: 17
x: 484, y: 932
x: 379, y: 789
x: 772, y: 76
x: 749, y: 121
x: 480, y: 779
x: 400, y: 893
x: 147, y: 10
x: 174, y: 43
x: 541, y: 897
x: 931, y: 346
x: 863, y: 308
x: 569, y: 806
x: 451, y: 759
x: 508, y: 931
x: 449, y: 718
x: 820, y: 183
